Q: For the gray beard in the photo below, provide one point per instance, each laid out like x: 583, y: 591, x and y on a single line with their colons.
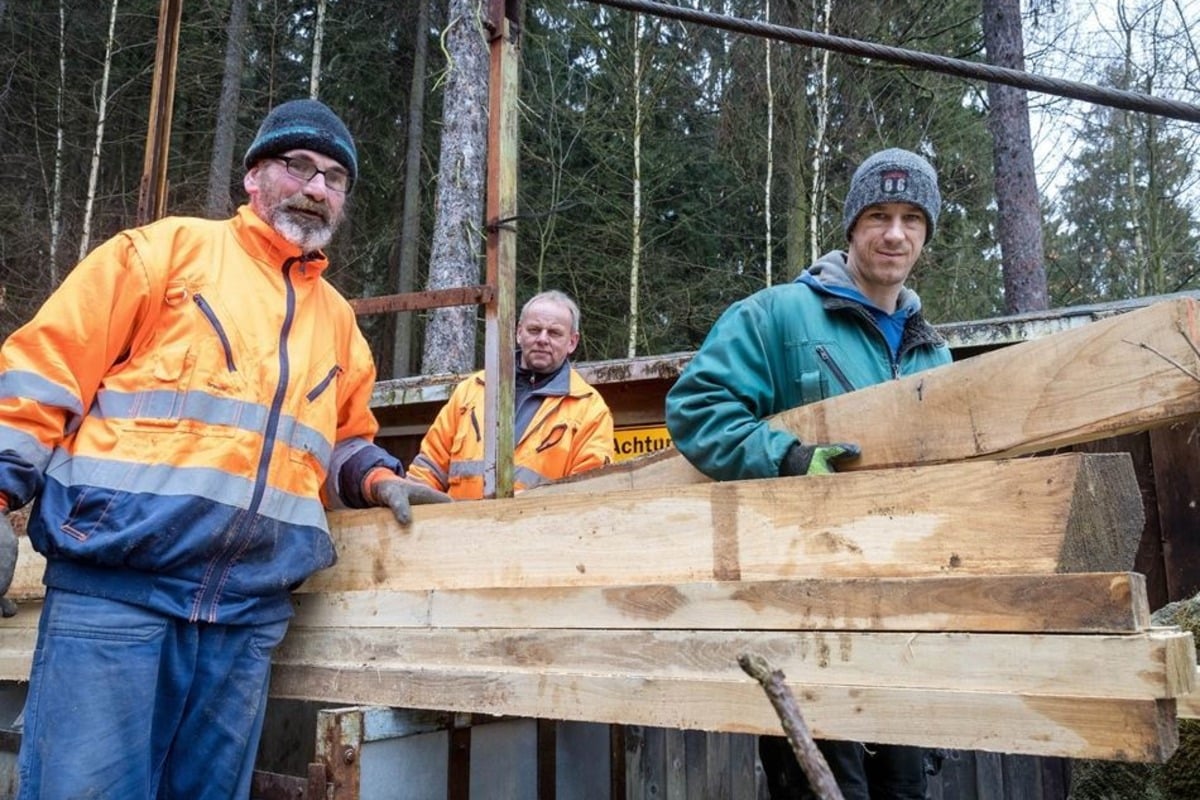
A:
x: 305, y: 233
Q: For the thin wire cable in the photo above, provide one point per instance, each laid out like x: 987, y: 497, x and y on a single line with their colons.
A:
x: 1116, y: 98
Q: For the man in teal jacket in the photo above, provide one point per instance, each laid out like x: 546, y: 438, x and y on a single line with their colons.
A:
x: 847, y: 322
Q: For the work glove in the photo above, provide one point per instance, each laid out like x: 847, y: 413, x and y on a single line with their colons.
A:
x: 8, y: 558
x: 816, y: 459
x: 382, y: 487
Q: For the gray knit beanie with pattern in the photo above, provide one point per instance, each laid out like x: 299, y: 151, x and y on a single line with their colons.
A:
x: 893, y: 176
x: 305, y: 125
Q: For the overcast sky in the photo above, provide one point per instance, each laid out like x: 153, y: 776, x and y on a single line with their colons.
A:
x: 1075, y: 40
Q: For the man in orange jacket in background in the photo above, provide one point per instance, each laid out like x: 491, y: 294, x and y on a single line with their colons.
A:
x: 561, y: 427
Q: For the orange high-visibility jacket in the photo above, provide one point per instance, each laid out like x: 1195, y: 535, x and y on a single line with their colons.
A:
x: 569, y: 434
x: 179, y: 406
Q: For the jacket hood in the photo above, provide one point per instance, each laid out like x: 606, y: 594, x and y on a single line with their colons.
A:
x: 830, y: 274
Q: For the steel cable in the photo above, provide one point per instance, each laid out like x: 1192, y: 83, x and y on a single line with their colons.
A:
x: 1116, y: 98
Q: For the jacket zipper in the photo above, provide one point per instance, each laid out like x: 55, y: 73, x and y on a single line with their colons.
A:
x: 324, y: 384
x: 551, y: 439
x: 540, y: 420
x: 823, y: 354
x: 238, y: 539
x: 211, y: 316
x: 475, y: 425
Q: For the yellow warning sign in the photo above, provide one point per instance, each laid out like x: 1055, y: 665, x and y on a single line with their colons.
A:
x: 633, y: 442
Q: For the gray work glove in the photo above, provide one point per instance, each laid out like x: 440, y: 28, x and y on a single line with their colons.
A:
x: 400, y: 494
x: 816, y: 459
x: 8, y: 562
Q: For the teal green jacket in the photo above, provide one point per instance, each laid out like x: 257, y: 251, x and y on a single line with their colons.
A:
x: 780, y: 348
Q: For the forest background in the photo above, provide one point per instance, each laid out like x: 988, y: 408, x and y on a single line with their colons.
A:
x: 666, y: 169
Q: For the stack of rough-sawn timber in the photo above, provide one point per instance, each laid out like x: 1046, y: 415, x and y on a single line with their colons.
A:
x: 944, y: 594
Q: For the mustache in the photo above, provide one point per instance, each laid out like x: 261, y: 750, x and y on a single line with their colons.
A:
x: 308, y: 206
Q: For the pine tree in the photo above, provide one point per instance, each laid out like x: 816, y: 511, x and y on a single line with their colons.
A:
x: 1123, y: 227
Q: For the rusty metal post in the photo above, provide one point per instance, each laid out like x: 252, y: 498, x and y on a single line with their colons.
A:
x: 340, y: 736
x: 152, y: 195
x: 503, y: 21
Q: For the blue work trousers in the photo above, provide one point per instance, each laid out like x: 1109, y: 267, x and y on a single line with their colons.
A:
x: 125, y: 703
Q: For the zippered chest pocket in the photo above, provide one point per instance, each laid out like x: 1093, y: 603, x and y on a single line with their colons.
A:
x: 467, y: 433
x: 221, y: 364
x: 314, y: 407
x: 819, y: 370
x: 193, y: 373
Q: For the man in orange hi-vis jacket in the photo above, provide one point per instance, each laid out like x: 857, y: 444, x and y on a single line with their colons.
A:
x: 184, y: 408
x: 562, y: 426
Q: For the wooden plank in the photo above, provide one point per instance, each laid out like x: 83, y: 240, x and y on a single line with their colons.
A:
x: 312, y: 682
x: 956, y: 780
x: 1093, y: 602
x: 27, y: 577
x: 1065, y: 513
x: 1178, y: 501
x: 989, y: 776
x: 18, y: 636
x: 1121, y: 729
x: 1149, y: 559
x: 666, y: 467
x: 1022, y: 776
x: 1068, y: 513
x: 741, y: 766
x: 677, y: 762
x: 718, y: 779
x: 1189, y: 704
x: 646, y: 754
x: 1157, y: 664
x: 1131, y: 372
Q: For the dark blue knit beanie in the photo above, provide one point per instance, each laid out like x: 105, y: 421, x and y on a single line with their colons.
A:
x: 893, y: 176
x: 308, y: 125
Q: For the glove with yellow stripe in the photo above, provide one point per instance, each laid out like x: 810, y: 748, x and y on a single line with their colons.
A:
x: 816, y: 459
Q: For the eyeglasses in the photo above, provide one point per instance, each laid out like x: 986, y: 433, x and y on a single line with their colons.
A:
x: 336, y: 178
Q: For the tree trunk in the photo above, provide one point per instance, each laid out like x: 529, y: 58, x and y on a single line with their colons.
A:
x: 796, y: 118
x: 769, y: 244
x: 817, y: 198
x: 455, y: 255
x: 1020, y: 218
x: 220, y: 169
x: 56, y: 191
x: 101, y: 116
x: 314, y: 79
x: 635, y: 234
x: 410, y: 223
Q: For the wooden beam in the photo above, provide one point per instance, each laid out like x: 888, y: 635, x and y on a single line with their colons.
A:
x: 1122, y: 729
x: 152, y: 193
x: 414, y: 301
x: 500, y: 316
x: 1069, y: 513
x: 1160, y: 663
x: 1189, y: 704
x: 18, y: 636
x: 1065, y: 603
x: 1130, y: 372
